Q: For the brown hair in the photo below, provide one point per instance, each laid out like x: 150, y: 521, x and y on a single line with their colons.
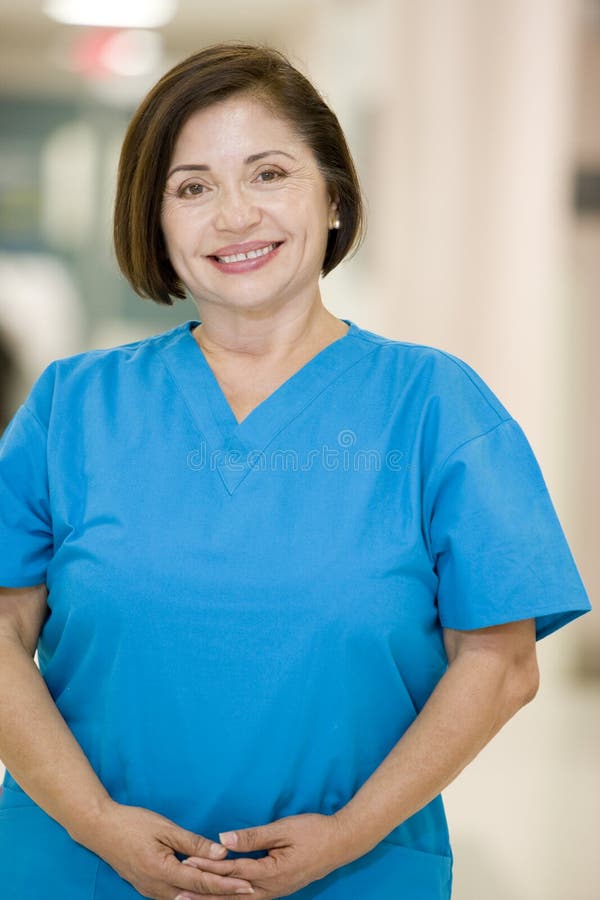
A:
x: 202, y: 79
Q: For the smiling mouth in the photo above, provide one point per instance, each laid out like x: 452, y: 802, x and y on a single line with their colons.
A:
x: 252, y: 254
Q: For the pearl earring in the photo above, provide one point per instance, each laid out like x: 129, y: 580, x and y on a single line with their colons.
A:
x: 336, y: 223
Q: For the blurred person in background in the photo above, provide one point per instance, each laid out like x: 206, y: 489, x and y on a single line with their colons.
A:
x: 8, y: 376
x: 285, y: 576
x: 41, y: 319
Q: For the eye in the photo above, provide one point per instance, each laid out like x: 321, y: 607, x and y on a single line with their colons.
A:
x: 191, y: 189
x: 276, y: 175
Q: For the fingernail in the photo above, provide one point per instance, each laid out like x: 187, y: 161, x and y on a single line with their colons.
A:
x: 245, y: 891
x: 228, y: 837
x: 216, y: 850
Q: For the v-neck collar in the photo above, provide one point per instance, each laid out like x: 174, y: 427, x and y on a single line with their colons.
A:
x: 236, y: 446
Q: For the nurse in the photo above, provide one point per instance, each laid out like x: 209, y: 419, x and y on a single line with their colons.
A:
x: 285, y: 576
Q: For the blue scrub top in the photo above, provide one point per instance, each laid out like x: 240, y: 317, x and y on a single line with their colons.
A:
x: 246, y: 617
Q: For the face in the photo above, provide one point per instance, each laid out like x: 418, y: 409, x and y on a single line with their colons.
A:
x: 240, y: 176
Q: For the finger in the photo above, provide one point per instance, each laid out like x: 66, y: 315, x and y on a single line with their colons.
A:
x: 190, y: 878
x: 243, y: 867
x: 262, y: 837
x: 191, y: 896
x: 183, y: 878
x: 194, y: 844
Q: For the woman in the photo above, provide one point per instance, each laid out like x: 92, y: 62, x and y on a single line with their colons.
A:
x: 285, y: 575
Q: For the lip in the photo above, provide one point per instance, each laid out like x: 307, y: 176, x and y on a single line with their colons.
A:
x: 232, y: 249
x: 246, y: 265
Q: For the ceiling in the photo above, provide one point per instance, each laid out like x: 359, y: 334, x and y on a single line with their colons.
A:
x: 34, y: 50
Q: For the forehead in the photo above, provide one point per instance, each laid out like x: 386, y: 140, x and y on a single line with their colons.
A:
x: 235, y: 128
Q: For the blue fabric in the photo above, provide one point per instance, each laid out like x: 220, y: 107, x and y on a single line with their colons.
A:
x: 245, y: 618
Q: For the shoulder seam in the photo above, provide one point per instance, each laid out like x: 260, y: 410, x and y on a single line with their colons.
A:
x: 35, y: 418
x: 99, y: 352
x: 470, y: 440
x: 373, y: 338
x: 460, y: 364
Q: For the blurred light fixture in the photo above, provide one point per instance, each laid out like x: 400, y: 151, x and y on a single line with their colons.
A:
x: 112, y: 13
x: 128, y: 52
x: 116, y: 66
x: 133, y: 52
x: 101, y: 53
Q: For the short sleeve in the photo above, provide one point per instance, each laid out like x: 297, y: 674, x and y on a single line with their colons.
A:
x: 499, y: 550
x: 26, y: 538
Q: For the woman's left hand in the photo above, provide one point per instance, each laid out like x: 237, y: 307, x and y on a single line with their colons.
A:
x: 301, y: 849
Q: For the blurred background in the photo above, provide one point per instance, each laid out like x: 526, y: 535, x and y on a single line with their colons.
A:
x: 475, y: 127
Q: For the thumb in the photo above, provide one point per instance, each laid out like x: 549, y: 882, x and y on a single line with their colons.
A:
x: 191, y: 844
x: 262, y: 837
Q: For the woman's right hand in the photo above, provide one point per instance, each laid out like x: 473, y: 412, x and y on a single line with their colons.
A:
x: 140, y: 845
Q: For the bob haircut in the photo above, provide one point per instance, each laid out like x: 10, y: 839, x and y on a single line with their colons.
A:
x: 212, y: 75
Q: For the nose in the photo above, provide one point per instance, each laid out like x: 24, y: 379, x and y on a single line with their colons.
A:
x: 236, y: 210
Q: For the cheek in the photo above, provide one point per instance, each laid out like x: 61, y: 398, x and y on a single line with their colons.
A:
x: 166, y: 227
x: 177, y: 232
x: 307, y: 213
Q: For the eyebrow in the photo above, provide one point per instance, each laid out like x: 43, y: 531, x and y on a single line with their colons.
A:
x: 247, y: 161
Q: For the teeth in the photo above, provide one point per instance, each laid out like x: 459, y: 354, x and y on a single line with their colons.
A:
x: 252, y: 254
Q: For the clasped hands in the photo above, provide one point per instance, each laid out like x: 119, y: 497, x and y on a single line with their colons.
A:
x: 143, y: 848
x: 301, y: 849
